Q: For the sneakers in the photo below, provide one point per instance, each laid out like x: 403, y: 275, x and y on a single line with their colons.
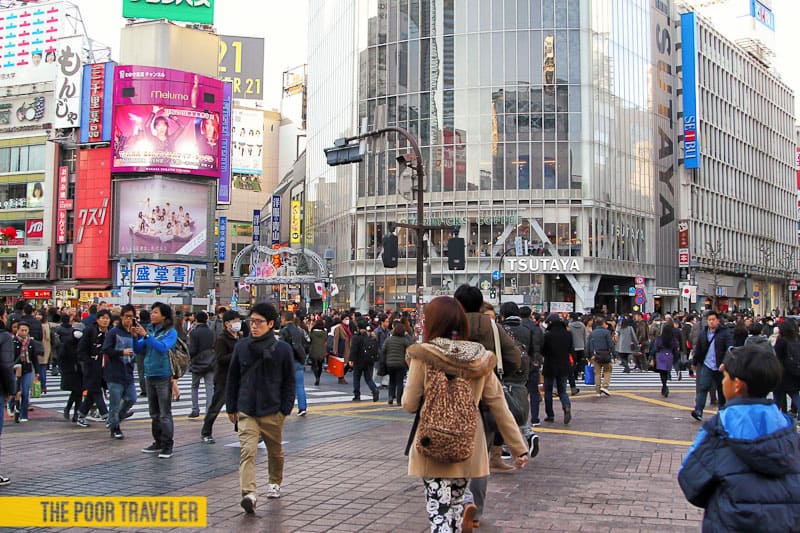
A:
x: 97, y: 417
x: 128, y: 414
x: 166, y: 453
x: 4, y: 481
x: 82, y: 422
x: 536, y: 423
x: 470, y: 511
x: 194, y: 414
x: 604, y: 391
x: 376, y: 396
x: 534, y: 446
x: 273, y: 491
x: 117, y: 434
x: 302, y: 412
x: 697, y: 415
x: 23, y: 419
x: 248, y: 503
x: 208, y: 439
x: 567, y: 415
x: 153, y: 448
x: 506, y: 454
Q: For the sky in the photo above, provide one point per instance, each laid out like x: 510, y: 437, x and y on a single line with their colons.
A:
x: 283, y: 25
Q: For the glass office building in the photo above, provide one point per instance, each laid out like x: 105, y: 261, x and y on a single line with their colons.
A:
x: 548, y: 130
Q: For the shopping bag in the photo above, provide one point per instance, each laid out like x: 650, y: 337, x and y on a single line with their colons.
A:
x: 588, y: 375
x: 336, y: 366
x: 36, y: 390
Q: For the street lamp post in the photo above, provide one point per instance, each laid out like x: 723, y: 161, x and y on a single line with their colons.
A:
x: 130, y: 269
x: 500, y: 281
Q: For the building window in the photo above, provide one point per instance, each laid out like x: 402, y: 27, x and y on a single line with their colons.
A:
x: 22, y: 158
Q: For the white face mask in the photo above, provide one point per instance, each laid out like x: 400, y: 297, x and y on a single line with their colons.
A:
x: 346, y: 322
x: 236, y: 327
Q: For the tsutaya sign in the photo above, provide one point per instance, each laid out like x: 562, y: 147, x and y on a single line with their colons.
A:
x: 543, y: 265
x: 201, y: 11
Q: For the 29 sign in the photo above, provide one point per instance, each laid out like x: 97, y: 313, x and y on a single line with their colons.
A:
x: 241, y: 62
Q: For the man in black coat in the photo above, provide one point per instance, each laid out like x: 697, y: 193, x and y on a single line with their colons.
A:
x: 7, y: 385
x: 34, y: 324
x: 201, y: 352
x: 709, y: 352
x: 556, y: 351
x: 223, y: 350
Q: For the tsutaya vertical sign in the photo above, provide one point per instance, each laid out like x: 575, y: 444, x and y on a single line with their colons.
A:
x: 276, y: 219
x: 664, y: 91
x: 69, y: 80
x: 691, y: 143
x: 63, y: 204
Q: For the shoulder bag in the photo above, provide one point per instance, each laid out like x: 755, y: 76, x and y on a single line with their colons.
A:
x: 516, y: 395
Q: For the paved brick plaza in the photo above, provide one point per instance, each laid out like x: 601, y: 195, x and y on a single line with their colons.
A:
x: 612, y: 469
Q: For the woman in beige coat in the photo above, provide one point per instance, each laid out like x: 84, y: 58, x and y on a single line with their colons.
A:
x: 442, y: 348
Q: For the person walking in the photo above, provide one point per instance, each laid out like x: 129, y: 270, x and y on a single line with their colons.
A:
x: 90, y: 355
x: 627, y: 344
x: 342, y: 336
x: 600, y: 350
x: 26, y: 356
x: 298, y: 339
x: 118, y: 371
x: 713, y: 342
x: 7, y: 379
x: 393, y: 360
x: 787, y: 342
x: 155, y: 342
x: 317, y: 351
x: 556, y: 351
x: 71, y: 375
x: 201, y: 352
x: 445, y: 347
x: 666, y: 349
x: 223, y: 350
x: 578, y: 330
x: 363, y: 354
x: 259, y: 397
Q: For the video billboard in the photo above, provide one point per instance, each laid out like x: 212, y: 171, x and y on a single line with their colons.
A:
x: 166, y: 121
x: 163, y: 216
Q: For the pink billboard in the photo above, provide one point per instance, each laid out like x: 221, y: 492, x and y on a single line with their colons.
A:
x: 166, y: 121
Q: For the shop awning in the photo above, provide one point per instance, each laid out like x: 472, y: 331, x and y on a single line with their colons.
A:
x: 93, y: 286
x: 10, y: 289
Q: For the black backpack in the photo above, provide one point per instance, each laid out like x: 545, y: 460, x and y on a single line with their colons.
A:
x: 792, y: 362
x: 370, y: 349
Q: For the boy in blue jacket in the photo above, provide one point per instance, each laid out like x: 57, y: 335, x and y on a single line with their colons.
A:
x: 744, y: 466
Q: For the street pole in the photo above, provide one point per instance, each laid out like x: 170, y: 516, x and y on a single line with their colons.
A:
x: 130, y: 270
x: 500, y: 281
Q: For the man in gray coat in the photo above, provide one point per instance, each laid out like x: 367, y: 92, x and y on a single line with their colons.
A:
x: 578, y: 331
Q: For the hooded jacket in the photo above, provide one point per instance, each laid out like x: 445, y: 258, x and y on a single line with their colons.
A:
x: 744, y: 469
x: 480, y: 330
x: 261, y: 377
x: 473, y: 362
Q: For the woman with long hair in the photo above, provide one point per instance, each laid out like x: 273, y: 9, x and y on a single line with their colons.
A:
x: 319, y: 340
x: 626, y: 343
x: 393, y: 359
x: 790, y: 384
x: 445, y: 348
x: 666, y: 350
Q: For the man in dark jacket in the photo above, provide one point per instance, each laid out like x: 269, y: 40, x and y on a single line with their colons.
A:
x: 223, y: 350
x: 600, y: 351
x: 556, y: 350
x: 34, y: 324
x: 260, y: 395
x: 362, y: 347
x: 118, y: 371
x: 713, y: 342
x: 300, y: 342
x: 744, y: 465
x: 201, y: 352
x: 7, y: 388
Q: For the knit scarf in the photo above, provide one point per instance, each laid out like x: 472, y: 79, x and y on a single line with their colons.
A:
x: 23, y: 349
x: 346, y: 329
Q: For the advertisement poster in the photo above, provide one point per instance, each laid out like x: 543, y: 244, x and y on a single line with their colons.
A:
x: 35, y: 195
x: 162, y: 216
x: 30, y: 38
x: 247, y: 141
x: 166, y: 121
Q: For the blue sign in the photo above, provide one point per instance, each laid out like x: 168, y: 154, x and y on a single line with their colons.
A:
x: 631, y: 291
x: 496, y: 275
x: 763, y: 14
x: 276, y: 219
x: 167, y: 275
x: 691, y: 142
x: 96, y: 100
x: 256, y: 226
x: 223, y: 238
x: 639, y: 300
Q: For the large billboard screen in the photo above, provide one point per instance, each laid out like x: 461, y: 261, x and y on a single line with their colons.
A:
x: 201, y: 11
x: 163, y: 216
x: 29, y: 37
x: 166, y: 121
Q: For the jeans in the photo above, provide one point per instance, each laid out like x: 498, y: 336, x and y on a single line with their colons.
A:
x: 533, y: 391
x: 396, y: 378
x: 444, y: 498
x: 250, y: 427
x: 208, y: 381
x: 366, y: 372
x: 140, y: 372
x: 121, y: 397
x: 561, y: 385
x: 707, y: 379
x: 300, y: 386
x: 159, y: 403
x: 43, y: 376
x: 24, y: 383
x: 212, y: 412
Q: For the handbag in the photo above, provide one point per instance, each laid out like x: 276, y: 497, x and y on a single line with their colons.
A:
x: 36, y: 389
x: 602, y: 356
x: 516, y: 395
x: 588, y: 375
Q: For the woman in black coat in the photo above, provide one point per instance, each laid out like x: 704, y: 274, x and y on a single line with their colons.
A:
x: 71, y: 375
x: 393, y: 361
x: 90, y: 355
x: 556, y: 351
x: 790, y: 384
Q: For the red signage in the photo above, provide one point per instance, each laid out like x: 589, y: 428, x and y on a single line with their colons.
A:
x: 92, y: 233
x: 61, y: 214
x: 96, y: 90
x: 34, y: 228
x: 37, y: 294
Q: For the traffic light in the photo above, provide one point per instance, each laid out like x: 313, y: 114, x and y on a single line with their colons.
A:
x: 492, y: 293
x: 455, y: 254
x: 158, y: 290
x: 342, y: 153
x: 390, y: 252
